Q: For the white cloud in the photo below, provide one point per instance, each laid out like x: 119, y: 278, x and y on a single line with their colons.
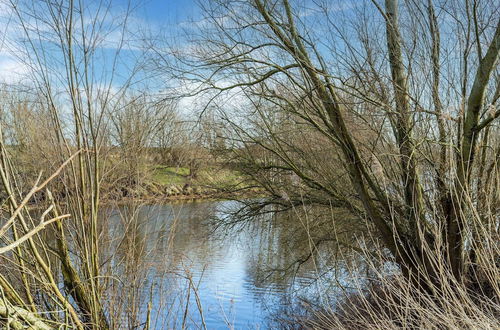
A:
x: 111, y: 37
x: 12, y: 70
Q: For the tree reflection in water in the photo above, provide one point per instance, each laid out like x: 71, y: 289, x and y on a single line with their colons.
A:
x: 245, y: 273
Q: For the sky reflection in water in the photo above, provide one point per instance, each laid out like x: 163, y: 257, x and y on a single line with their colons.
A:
x: 164, y: 245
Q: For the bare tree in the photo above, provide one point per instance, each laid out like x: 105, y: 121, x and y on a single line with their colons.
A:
x: 74, y: 61
x: 139, y: 127
x: 400, y: 109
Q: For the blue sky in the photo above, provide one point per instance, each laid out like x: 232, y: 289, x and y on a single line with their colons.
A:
x: 156, y: 15
x: 163, y: 17
x: 161, y: 11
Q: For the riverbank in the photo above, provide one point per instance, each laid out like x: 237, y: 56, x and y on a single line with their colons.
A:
x: 174, y: 193
x: 393, y: 302
x: 177, y: 184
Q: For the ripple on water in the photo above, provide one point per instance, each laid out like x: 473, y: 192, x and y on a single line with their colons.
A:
x: 231, y: 272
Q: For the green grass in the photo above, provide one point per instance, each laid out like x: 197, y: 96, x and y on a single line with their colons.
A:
x: 214, y: 177
x: 170, y: 175
x: 220, y: 177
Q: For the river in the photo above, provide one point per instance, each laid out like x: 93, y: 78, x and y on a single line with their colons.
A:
x: 249, y: 275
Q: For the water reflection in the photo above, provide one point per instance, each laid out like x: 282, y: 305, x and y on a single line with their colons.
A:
x: 237, y: 277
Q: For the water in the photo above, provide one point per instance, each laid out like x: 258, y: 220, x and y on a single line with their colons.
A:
x: 241, y: 277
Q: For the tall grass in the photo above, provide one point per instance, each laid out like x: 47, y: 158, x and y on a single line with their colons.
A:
x: 389, y: 300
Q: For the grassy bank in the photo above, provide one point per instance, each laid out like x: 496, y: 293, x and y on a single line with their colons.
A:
x: 178, y: 183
